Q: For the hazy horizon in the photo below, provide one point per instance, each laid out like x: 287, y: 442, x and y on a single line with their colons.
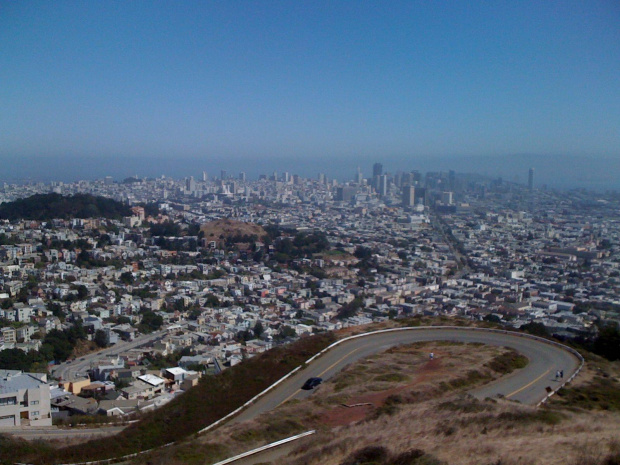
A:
x: 556, y: 172
x: 96, y: 88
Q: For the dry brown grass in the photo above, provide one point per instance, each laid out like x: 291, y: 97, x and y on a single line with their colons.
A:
x: 222, y: 229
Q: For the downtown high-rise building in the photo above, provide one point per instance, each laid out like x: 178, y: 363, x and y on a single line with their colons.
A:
x: 382, y: 187
x: 377, y: 169
x: 530, y: 180
x: 408, y: 196
x: 358, y: 176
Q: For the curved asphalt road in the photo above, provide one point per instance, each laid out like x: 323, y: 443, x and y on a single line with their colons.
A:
x: 526, y: 385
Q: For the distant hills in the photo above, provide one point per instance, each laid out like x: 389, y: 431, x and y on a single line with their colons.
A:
x: 43, y: 207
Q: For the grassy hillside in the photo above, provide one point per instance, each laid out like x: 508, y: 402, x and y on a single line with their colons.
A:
x: 43, y: 207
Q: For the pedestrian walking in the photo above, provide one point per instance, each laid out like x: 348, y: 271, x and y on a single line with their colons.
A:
x: 557, y: 375
x: 431, y: 356
x: 561, y: 374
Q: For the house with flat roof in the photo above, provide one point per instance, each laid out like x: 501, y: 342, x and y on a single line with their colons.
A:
x: 24, y: 399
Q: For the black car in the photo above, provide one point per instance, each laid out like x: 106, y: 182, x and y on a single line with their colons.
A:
x: 311, y: 383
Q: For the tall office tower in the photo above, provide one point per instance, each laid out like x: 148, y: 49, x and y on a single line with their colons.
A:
x: 408, y: 196
x: 286, y: 177
x: 358, y: 176
x: 345, y: 193
x: 451, y: 180
x: 377, y: 169
x: 205, y: 178
x: 420, y: 196
x: 190, y: 184
x: 321, y: 178
x: 108, y: 180
x: 406, y: 179
x: 417, y: 177
x: 398, y: 179
x: 242, y: 176
x: 446, y: 198
x: 530, y: 180
x: 223, y: 175
x: 383, y: 185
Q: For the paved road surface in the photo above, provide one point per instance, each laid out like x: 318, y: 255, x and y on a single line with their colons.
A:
x: 526, y: 385
x: 83, y: 364
x: 58, y: 433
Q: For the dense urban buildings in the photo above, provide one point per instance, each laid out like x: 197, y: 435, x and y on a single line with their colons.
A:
x: 200, y: 273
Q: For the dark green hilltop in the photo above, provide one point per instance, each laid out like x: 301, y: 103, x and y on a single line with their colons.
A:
x: 42, y: 207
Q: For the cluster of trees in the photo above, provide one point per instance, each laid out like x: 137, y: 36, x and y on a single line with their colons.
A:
x: 86, y: 260
x: 301, y: 246
x: 166, y: 229
x: 42, y: 207
x: 349, y: 310
x: 150, y: 322
x: 57, y: 345
x: 607, y: 343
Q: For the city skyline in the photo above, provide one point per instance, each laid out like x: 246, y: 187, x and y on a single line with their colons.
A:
x: 338, y: 81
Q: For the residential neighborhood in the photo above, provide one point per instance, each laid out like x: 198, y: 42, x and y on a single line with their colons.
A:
x: 117, y: 316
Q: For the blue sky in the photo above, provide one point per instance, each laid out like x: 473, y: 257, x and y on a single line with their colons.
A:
x: 296, y: 79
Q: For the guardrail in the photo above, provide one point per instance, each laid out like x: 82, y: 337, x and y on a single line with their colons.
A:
x: 341, y: 341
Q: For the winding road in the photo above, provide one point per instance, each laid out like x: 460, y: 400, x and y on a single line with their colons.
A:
x: 527, y: 385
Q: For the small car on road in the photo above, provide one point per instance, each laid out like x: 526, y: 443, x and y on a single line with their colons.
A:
x: 311, y: 383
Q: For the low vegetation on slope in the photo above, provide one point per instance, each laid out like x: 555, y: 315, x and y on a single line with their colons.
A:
x: 213, y: 398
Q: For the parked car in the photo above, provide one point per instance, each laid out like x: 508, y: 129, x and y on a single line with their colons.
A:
x: 311, y: 383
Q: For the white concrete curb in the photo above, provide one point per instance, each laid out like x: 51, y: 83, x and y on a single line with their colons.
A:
x: 268, y: 446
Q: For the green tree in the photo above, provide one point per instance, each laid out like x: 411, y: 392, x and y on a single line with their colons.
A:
x: 150, y: 322
x: 258, y: 329
x: 607, y: 343
x: 538, y: 329
x: 127, y: 277
x: 101, y: 338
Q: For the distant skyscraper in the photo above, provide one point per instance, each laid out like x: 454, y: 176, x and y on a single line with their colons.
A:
x: 204, y: 176
x: 383, y: 185
x: 358, y: 176
x: 345, y: 193
x: 408, y: 196
x: 377, y: 169
x: 223, y: 175
x: 446, y: 198
x: 420, y: 196
x: 242, y: 176
x: 530, y: 180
